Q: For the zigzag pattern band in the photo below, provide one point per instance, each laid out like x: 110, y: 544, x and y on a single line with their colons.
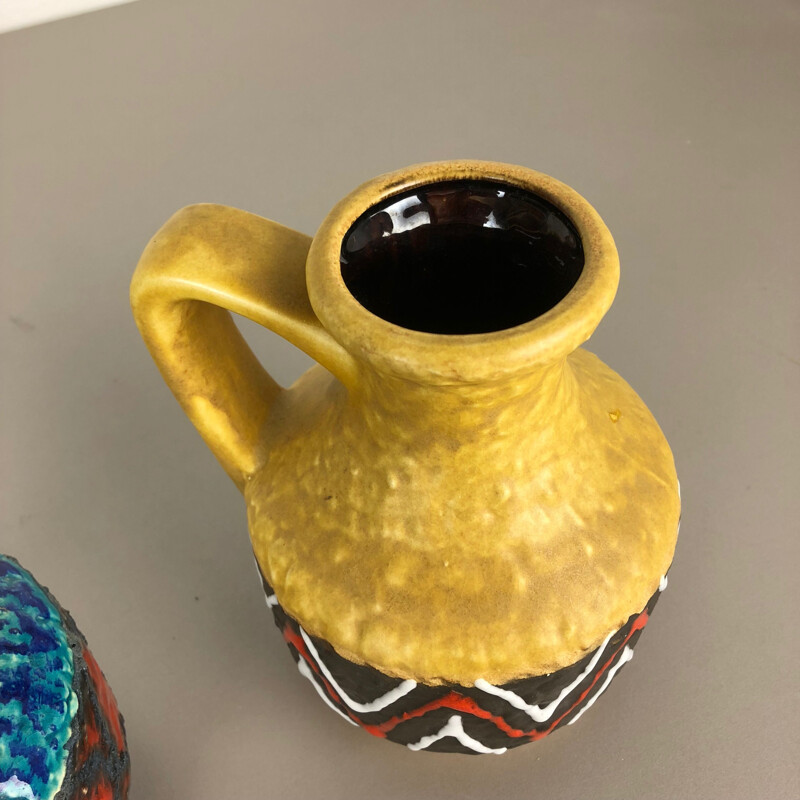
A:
x: 482, y: 718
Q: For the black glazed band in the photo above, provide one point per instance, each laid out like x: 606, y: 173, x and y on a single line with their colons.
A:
x: 461, y: 257
x: 453, y: 718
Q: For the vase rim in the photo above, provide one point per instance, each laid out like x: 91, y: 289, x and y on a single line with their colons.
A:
x: 472, y: 357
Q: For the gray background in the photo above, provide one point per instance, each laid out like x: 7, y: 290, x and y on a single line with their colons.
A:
x: 677, y: 120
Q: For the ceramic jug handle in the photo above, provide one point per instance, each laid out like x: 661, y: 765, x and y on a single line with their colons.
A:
x: 205, y: 261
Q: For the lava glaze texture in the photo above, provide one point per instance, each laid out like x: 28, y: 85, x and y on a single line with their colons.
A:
x: 61, y: 735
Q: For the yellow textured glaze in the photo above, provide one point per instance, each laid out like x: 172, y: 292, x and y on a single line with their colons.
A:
x: 443, y: 508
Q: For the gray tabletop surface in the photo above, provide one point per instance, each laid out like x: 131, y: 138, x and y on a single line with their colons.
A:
x: 677, y: 120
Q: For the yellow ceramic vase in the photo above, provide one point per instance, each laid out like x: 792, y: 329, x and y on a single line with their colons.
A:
x: 462, y: 518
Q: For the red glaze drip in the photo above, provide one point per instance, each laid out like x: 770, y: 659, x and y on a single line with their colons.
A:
x: 102, y: 791
x: 91, y: 737
x: 105, y: 697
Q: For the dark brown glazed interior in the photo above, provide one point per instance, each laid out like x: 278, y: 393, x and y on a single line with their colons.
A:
x: 460, y: 257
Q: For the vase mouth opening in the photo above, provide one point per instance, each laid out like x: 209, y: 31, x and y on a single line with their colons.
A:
x: 461, y: 271
x: 461, y: 257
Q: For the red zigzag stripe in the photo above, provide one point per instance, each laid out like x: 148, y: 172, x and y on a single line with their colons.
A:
x: 292, y: 638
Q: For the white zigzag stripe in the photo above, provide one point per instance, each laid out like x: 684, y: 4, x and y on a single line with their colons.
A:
x: 455, y: 728
x: 539, y: 713
x: 377, y: 704
x: 542, y: 714
x: 627, y: 655
x: 306, y: 672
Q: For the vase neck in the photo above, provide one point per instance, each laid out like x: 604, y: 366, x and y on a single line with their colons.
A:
x: 517, y: 406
